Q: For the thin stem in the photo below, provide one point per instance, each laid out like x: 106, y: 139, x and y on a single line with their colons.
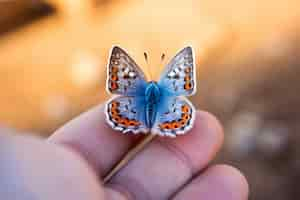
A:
x: 129, y: 156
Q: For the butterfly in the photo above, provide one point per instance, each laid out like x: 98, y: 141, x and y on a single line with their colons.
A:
x: 143, y: 106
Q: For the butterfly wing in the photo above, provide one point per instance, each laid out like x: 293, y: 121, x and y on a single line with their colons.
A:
x: 175, y: 117
x: 179, y: 77
x: 126, y: 114
x: 124, y: 76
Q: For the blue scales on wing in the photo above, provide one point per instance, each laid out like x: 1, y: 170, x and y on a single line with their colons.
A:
x: 175, y: 116
x: 124, y: 75
x: 179, y: 77
x: 126, y: 114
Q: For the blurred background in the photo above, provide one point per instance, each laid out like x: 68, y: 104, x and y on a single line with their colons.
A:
x: 53, y: 56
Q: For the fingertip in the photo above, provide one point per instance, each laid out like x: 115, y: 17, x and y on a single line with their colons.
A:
x: 113, y: 194
x: 202, y: 142
x: 232, y: 179
x: 213, y: 125
x: 217, y: 182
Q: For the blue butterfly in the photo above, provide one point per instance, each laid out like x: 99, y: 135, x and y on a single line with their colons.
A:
x: 156, y: 107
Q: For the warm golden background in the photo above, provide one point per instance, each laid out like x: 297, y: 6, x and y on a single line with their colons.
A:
x: 53, y: 56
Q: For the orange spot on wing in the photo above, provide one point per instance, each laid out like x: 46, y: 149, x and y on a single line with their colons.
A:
x: 175, y: 125
x: 133, y: 123
x: 185, y: 116
x: 113, y: 112
x: 123, y: 121
x: 187, y: 78
x: 187, y: 85
x: 117, y: 118
x: 128, y: 122
x: 185, y: 109
x: 114, y: 104
x: 188, y: 70
x: 182, y: 122
x: 165, y: 126
x: 113, y: 85
x: 114, y: 69
x: 114, y: 77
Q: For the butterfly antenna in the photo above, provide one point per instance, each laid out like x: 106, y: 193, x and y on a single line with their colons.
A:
x: 148, y: 66
x: 162, y: 57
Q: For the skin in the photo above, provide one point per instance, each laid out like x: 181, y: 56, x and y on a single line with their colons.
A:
x: 71, y: 163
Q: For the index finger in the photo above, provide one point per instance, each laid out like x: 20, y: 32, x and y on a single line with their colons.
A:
x: 91, y: 137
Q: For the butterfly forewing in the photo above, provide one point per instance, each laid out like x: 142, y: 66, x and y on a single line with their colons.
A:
x: 124, y: 75
x: 178, y: 79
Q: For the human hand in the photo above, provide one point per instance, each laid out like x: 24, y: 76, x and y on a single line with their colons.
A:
x: 72, y: 162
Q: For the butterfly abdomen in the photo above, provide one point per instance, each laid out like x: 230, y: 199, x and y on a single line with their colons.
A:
x: 152, y: 98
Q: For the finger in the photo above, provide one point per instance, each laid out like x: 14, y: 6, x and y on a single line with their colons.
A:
x: 32, y: 169
x: 167, y: 163
x: 220, y: 182
x: 90, y: 136
x: 112, y: 194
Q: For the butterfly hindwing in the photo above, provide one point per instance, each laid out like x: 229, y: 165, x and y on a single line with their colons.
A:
x: 126, y: 114
x: 178, y: 79
x: 124, y: 75
x: 175, y: 117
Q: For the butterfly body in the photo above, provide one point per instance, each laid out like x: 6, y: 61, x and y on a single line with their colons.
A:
x: 152, y: 99
x: 151, y: 106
